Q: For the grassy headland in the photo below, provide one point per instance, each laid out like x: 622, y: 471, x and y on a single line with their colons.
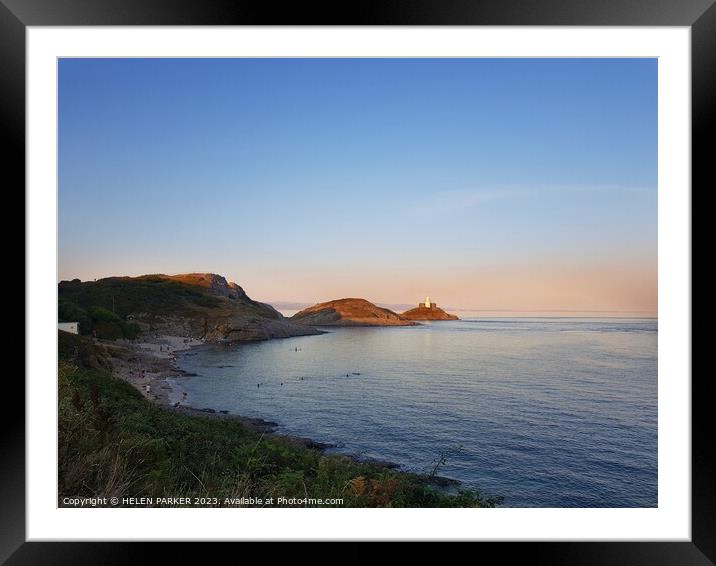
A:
x: 201, y: 305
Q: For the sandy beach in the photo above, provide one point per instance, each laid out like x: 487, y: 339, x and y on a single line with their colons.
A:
x: 150, y: 364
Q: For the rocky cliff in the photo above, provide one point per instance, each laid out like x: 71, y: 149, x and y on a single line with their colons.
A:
x: 200, y: 305
x: 349, y: 312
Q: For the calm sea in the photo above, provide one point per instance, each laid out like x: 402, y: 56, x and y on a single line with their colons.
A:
x: 547, y: 412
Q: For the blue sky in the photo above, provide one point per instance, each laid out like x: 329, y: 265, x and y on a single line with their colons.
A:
x: 310, y: 179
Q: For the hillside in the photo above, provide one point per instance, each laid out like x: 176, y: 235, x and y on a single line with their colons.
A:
x: 201, y: 305
x: 349, y: 312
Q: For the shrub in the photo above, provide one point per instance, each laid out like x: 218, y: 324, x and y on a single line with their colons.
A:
x: 130, y: 330
x: 108, y: 330
x: 100, y: 314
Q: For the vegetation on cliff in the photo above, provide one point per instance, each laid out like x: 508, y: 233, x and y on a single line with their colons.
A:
x: 102, y: 322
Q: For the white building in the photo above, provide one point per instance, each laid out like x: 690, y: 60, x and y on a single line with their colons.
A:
x: 72, y: 327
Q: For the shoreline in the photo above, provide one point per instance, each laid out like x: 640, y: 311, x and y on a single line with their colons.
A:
x: 153, y: 362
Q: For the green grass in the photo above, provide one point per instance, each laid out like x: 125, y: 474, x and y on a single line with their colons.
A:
x: 115, y: 443
x: 125, y: 295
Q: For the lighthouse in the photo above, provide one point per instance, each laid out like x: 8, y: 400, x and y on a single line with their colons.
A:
x: 428, y: 311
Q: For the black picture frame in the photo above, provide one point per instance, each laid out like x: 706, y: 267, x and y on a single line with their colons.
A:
x: 699, y: 15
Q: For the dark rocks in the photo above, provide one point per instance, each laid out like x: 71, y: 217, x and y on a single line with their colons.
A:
x: 440, y: 481
x: 381, y: 463
x: 307, y: 442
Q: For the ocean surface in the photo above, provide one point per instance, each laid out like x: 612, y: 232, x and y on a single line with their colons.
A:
x: 546, y: 412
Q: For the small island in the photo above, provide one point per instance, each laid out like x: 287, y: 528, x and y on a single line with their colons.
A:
x: 350, y: 312
x: 428, y: 311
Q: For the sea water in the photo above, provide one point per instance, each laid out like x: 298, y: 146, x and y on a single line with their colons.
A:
x: 546, y: 412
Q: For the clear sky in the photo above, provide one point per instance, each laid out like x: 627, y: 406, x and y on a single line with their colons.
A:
x: 517, y: 184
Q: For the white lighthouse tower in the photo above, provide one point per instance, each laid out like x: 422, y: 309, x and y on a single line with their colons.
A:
x: 427, y: 303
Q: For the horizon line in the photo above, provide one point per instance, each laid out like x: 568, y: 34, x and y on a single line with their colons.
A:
x: 646, y: 314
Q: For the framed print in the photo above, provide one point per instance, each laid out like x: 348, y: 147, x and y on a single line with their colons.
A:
x: 425, y: 275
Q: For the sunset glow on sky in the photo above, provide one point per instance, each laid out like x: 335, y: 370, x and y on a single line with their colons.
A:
x: 516, y: 185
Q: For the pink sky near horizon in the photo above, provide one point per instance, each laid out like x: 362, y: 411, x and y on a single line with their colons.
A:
x: 623, y: 286
x: 616, y: 289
